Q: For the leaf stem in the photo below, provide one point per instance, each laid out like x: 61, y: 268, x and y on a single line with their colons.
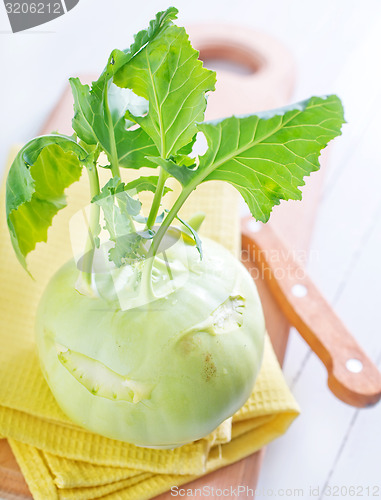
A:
x: 93, y: 230
x: 114, y: 153
x: 167, y: 221
x: 163, y: 176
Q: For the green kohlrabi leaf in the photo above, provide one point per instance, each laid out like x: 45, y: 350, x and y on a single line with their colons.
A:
x: 118, y: 209
x: 187, y: 149
x: 119, y: 58
x: 183, y: 172
x: 100, y: 118
x: 84, y: 112
x: 36, y: 182
x: 114, y: 186
x: 101, y: 113
x: 265, y: 156
x: 167, y: 72
x: 148, y: 183
x: 133, y: 146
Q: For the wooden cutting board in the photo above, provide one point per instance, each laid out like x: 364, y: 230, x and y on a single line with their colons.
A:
x: 254, y: 72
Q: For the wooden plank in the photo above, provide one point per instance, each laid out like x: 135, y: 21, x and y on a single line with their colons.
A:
x: 324, y: 449
x: 346, y: 210
x: 335, y: 245
x: 303, y: 456
x: 308, y: 311
x: 348, y: 273
x: 356, y: 463
x: 356, y: 467
x: 341, y: 222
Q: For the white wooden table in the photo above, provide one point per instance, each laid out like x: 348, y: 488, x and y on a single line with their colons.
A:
x: 337, y: 45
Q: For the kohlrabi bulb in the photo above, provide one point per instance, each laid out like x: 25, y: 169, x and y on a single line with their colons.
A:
x: 158, y: 373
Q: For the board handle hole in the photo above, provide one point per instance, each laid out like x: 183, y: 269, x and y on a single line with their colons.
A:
x: 238, y: 60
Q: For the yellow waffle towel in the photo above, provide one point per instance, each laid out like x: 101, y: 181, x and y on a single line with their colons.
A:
x: 63, y: 461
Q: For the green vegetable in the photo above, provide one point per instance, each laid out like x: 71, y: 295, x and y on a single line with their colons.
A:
x: 35, y: 188
x: 162, y: 374
x: 169, y: 75
x: 265, y: 156
x: 165, y: 343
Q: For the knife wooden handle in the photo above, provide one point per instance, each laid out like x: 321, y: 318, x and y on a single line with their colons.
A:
x: 352, y: 376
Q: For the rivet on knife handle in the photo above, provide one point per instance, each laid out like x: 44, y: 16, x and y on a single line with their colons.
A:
x: 352, y: 376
